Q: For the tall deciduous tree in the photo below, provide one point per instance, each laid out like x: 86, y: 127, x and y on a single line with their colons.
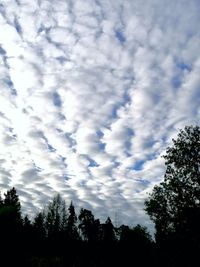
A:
x: 108, y: 231
x: 90, y: 228
x: 172, y: 203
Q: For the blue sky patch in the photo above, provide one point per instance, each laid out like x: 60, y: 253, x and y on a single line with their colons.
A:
x: 120, y: 36
x: 2, y: 51
x: 51, y: 148
x: 66, y: 177
x: 10, y: 84
x: 62, y: 60
x: 184, y: 66
x: 138, y: 165
x: 114, y: 112
x: 102, y: 146
x: 99, y: 134
x: 92, y: 163
x: 57, y: 100
x: 176, y: 82
x: 17, y: 26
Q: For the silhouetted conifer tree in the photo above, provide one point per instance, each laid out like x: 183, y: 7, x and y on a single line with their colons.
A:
x: 56, y: 216
x: 72, y: 229
x: 11, y: 201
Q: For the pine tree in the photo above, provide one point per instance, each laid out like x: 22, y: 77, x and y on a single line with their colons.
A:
x: 72, y: 230
x: 56, y: 216
x: 11, y: 203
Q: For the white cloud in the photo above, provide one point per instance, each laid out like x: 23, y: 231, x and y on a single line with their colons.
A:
x: 91, y: 94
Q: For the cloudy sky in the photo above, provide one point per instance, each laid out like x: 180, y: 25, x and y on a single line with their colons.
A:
x: 91, y: 94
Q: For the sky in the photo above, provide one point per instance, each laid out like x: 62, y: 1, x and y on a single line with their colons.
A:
x: 91, y: 94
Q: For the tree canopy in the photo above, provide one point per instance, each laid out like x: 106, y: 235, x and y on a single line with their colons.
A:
x: 174, y: 204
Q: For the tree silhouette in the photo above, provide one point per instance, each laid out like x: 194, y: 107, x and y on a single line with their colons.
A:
x: 55, y: 217
x: 10, y: 223
x: 12, y: 203
x: 174, y: 205
x: 90, y: 228
x: 108, y: 232
x: 72, y: 230
x: 39, y: 225
x: 39, y: 233
x: 27, y: 235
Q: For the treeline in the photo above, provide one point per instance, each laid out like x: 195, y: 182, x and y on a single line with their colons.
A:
x: 57, y: 236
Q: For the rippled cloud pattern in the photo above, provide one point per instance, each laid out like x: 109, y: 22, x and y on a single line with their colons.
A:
x: 91, y: 94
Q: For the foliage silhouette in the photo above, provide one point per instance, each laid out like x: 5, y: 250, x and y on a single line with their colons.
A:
x: 72, y: 229
x: 174, y: 205
x: 90, y: 228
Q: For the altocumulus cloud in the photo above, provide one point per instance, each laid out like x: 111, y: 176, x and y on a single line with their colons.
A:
x: 91, y: 94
